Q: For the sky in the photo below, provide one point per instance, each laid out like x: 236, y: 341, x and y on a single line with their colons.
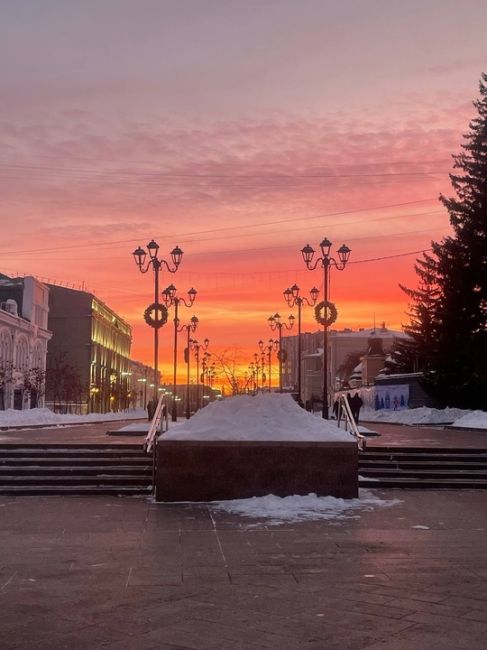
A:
x: 240, y: 131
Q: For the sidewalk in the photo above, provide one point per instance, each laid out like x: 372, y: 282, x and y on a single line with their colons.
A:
x: 128, y: 574
x: 92, y: 434
x: 421, y: 436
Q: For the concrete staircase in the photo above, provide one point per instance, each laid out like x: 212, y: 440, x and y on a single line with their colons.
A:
x: 54, y: 469
x: 419, y: 467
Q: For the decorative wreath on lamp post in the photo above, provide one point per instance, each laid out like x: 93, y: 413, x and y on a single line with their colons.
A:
x: 162, y: 320
x: 330, y: 309
x: 282, y: 356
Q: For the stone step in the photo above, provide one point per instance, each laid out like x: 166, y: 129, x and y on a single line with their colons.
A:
x: 79, y: 490
x: 144, y: 461
x: 479, y: 456
x: 385, y: 472
x: 404, y: 464
x: 45, y: 470
x: 421, y: 450
x: 69, y: 480
x: 18, y: 452
x: 419, y: 483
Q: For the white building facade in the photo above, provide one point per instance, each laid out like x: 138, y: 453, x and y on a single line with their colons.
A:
x: 24, y: 309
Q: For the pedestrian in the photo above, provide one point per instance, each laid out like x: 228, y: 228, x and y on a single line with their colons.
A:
x: 151, y: 409
x: 356, y: 404
x: 335, y: 409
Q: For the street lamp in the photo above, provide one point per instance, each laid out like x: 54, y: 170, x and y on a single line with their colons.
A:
x: 170, y: 298
x: 190, y: 327
x: 205, y: 371
x: 140, y: 256
x: 268, y: 349
x: 275, y: 323
x: 293, y: 298
x: 196, y: 346
x: 329, y: 310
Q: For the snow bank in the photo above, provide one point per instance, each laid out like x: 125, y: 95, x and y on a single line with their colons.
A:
x: 422, y: 415
x: 263, y: 417
x: 473, y: 420
x: 14, y: 418
x: 280, y: 510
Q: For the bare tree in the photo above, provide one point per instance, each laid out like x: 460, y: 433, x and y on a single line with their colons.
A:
x: 229, y: 363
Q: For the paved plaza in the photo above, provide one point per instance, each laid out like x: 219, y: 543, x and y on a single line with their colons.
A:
x: 107, y: 572
x: 127, y: 573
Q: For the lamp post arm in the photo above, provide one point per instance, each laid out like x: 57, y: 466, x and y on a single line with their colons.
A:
x: 311, y: 267
x: 338, y: 265
x: 171, y: 270
x: 147, y: 267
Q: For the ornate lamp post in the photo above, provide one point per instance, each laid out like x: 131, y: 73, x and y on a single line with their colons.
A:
x: 293, y: 298
x: 276, y: 324
x: 267, y: 350
x: 157, y: 321
x: 190, y: 327
x: 170, y: 298
x: 196, y: 346
x: 329, y: 309
x: 205, y: 372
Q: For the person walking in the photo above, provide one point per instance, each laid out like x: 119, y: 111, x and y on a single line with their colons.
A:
x: 151, y: 409
x: 356, y: 404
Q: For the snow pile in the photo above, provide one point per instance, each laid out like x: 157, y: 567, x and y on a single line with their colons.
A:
x: 280, y: 510
x: 267, y: 416
x: 422, y: 415
x: 472, y: 420
x: 14, y: 418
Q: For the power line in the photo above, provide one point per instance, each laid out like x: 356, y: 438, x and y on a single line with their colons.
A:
x: 186, y: 175
x: 227, y: 228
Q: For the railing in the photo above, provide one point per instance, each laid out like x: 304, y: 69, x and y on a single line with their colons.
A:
x: 159, y: 424
x: 349, y: 421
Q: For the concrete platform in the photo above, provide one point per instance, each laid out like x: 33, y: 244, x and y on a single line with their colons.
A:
x: 128, y: 574
x: 216, y: 470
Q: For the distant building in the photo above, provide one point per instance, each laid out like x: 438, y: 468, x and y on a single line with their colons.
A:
x: 24, y: 334
x: 342, y: 345
x: 141, y: 383
x: 88, y: 355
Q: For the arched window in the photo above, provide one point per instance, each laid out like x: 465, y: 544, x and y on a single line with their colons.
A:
x: 38, y: 358
x: 5, y: 347
x: 22, y: 354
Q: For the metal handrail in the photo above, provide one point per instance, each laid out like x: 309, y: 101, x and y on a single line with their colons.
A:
x: 349, y: 420
x: 159, y: 424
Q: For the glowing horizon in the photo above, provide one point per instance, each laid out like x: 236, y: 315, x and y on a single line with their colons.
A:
x: 262, y: 134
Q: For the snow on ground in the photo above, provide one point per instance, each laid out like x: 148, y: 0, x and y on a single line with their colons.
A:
x: 280, y: 510
x: 473, y: 420
x: 14, y: 418
x: 422, y: 415
x: 267, y: 416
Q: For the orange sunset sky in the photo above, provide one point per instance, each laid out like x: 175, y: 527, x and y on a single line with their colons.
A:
x: 240, y: 131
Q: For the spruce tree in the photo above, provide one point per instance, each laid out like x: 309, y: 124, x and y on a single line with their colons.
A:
x: 417, y: 352
x: 452, y: 330
x: 461, y: 364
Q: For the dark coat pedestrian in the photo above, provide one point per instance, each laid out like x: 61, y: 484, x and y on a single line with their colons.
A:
x: 335, y: 409
x: 151, y: 409
x: 356, y: 404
